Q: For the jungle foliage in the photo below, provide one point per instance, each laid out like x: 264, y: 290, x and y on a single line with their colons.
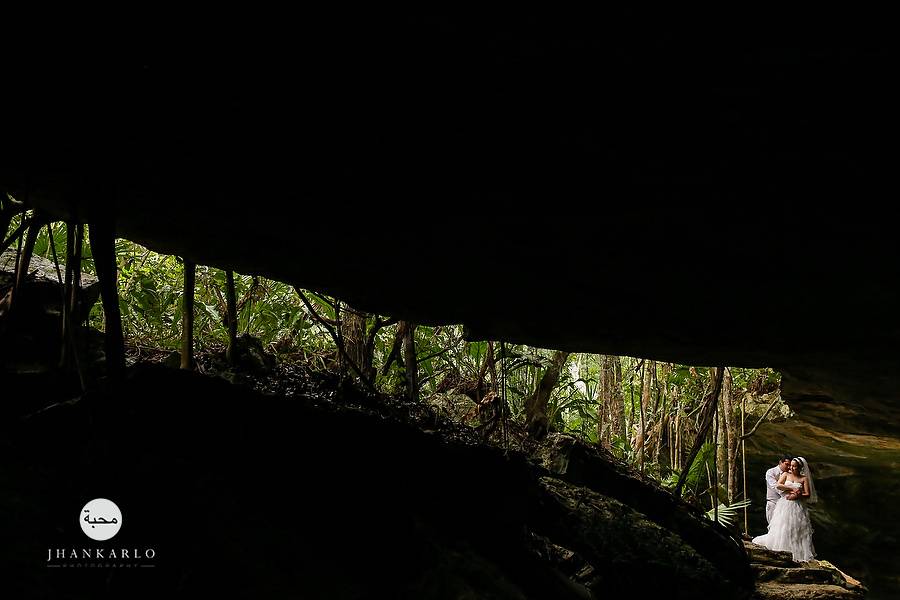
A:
x: 645, y: 413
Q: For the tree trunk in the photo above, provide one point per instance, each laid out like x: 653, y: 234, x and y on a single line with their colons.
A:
x: 536, y: 419
x: 647, y: 376
x: 34, y: 229
x: 409, y: 359
x: 353, y: 332
x: 71, y: 298
x: 492, y: 365
x: 721, y: 440
x: 619, y: 401
x: 662, y: 413
x: 730, y: 434
x: 676, y: 428
x: 24, y: 262
x: 103, y: 249
x: 75, y: 300
x: 66, y: 354
x: 231, y: 317
x: 606, y: 403
x: 646, y: 386
x: 482, y: 372
x: 187, y: 315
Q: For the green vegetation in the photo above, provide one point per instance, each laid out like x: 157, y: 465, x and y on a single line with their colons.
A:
x: 645, y: 413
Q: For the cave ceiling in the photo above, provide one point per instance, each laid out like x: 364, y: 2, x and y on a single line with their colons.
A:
x: 703, y: 201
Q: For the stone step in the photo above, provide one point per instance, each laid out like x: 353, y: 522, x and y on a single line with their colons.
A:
x: 849, y: 582
x: 764, y: 556
x: 770, y: 574
x: 804, y: 591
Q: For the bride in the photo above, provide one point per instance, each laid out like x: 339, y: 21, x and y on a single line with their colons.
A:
x: 790, y: 529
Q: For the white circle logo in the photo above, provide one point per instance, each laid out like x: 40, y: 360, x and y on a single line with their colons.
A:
x: 100, y: 519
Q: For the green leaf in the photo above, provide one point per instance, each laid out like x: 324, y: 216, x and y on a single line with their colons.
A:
x: 679, y: 375
x: 727, y: 514
x: 698, y: 467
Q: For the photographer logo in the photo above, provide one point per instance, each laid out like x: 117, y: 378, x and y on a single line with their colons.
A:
x: 100, y: 519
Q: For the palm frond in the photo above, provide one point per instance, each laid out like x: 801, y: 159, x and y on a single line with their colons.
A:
x: 698, y: 467
x: 727, y: 513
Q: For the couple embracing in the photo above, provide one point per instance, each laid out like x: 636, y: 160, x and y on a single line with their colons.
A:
x: 789, y: 489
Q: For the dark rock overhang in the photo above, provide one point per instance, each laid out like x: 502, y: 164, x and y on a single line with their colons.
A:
x: 704, y: 201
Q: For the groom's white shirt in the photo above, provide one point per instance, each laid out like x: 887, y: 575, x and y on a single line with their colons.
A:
x: 773, y: 494
x: 772, y: 475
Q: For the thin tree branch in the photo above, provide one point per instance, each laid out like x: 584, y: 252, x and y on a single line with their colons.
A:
x: 15, y: 234
x: 393, y: 356
x: 376, y: 327
x: 434, y: 355
x: 322, y: 319
x: 334, y: 336
x: 761, y: 419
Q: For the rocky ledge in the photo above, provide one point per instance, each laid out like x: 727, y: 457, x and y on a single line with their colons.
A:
x: 779, y: 576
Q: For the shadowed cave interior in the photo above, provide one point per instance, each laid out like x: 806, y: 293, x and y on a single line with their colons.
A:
x: 497, y: 157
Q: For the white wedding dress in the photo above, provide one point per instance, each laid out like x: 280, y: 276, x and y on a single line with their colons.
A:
x: 790, y: 529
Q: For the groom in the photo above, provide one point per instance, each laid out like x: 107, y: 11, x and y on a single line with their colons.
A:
x: 772, y: 475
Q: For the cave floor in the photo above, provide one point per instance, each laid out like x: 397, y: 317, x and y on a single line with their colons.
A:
x: 286, y: 482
